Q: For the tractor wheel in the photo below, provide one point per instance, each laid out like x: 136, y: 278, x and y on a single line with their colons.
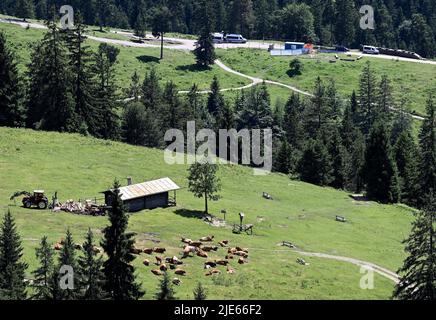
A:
x: 42, y: 205
x: 27, y: 204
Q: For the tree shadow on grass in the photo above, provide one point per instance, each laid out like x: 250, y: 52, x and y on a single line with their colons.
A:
x: 193, y: 68
x: 190, y: 213
x: 148, y: 59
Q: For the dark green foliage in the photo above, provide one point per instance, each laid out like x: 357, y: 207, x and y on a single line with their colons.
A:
x: 203, y: 182
x: 12, y: 269
x: 295, y: 68
x: 91, y: 276
x: 165, y: 290
x: 151, y: 91
x: 68, y: 258
x: 140, y: 127
x: 215, y: 101
x: 12, y: 110
x: 315, y: 163
x: 418, y: 273
x: 118, y: 244
x: 24, y: 9
x: 205, y: 51
x: 46, y: 283
x: 283, y: 160
x: 381, y: 174
x: 338, y: 160
x: 367, y: 98
x: 140, y: 25
x: 199, y: 292
x: 292, y: 121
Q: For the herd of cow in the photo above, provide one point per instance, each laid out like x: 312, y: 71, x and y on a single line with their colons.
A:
x: 201, y: 248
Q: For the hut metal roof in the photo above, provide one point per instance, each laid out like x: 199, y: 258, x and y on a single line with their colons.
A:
x: 148, y: 188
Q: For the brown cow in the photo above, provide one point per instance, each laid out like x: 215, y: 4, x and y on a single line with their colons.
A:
x: 187, y: 250
x: 226, y: 242
x: 232, y: 250
x: 58, y: 247
x: 197, y: 244
x: 157, y: 272
x: 222, y: 244
x: 202, y: 254
x: 159, y: 250
x: 146, y: 262
x: 158, y: 261
x: 223, y: 262
x: 148, y: 250
x: 213, y: 272
x: 186, y: 240
x: 242, y: 249
x: 207, y: 239
x: 241, y: 254
x: 163, y: 267
x: 209, y: 248
x: 241, y: 260
x: 180, y: 272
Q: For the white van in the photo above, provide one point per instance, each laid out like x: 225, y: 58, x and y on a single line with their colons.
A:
x: 235, y: 38
x: 218, y: 38
x: 370, y: 50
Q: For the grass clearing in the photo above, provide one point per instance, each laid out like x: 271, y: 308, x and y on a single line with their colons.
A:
x: 80, y: 168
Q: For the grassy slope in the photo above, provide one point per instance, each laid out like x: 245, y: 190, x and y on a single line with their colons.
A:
x: 79, y: 167
x: 178, y: 66
x: 416, y: 79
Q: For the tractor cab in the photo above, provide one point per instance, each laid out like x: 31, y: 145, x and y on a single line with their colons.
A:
x: 38, y: 199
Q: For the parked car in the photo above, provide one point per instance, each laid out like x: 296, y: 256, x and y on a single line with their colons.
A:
x: 218, y: 38
x: 342, y: 49
x: 235, y: 38
x: 370, y: 50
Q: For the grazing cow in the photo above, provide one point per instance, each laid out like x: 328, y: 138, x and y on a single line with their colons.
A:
x: 146, y: 262
x: 180, y: 272
x: 207, y: 239
x: 136, y: 251
x: 157, y: 272
x: 222, y: 244
x: 242, y: 249
x: 196, y: 244
x: 186, y: 240
x: 163, y: 267
x: 232, y: 251
x: 209, y: 248
x: 209, y: 264
x: 241, y: 254
x: 202, y: 254
x: 230, y: 270
x: 177, y: 282
x: 226, y: 242
x: 159, y: 250
x: 241, y: 260
x: 158, y: 261
x: 187, y: 250
x: 58, y: 247
x: 148, y: 250
x: 213, y: 272
x: 223, y: 262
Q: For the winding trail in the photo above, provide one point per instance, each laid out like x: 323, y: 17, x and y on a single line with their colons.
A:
x: 360, y: 263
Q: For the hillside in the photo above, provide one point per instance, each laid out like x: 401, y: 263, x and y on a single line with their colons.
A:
x: 80, y: 168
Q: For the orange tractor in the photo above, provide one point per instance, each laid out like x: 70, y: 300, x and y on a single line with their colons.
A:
x: 37, y: 199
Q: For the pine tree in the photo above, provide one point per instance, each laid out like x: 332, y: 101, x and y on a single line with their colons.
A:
x: 50, y: 102
x: 215, y: 101
x: 380, y: 170
x: 337, y: 156
x: 283, y: 162
x: 367, y: 98
x: 68, y: 258
x: 406, y: 156
x: 118, y: 244
x: 427, y: 138
x: 199, y: 292
x: 316, y: 115
x: 205, y: 50
x: 165, y: 290
x: 12, y: 269
x: 354, y: 164
x: 134, y: 92
x: 92, y: 278
x: 45, y: 284
x: 171, y: 109
x: 106, y: 105
x: 292, y: 124
x: 418, y: 273
x: 141, y: 19
x: 385, y: 100
x: 315, y: 164
x: 151, y: 91
x: 12, y: 111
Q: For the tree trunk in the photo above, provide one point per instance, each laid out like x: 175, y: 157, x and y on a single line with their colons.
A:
x: 161, y: 45
x: 206, y: 208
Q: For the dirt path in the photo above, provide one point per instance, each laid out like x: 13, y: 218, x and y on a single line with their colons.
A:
x: 378, y: 269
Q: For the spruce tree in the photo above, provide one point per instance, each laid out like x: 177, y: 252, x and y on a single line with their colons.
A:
x: 283, y: 160
x: 134, y: 92
x: 338, y: 158
x: 215, y: 101
x: 199, y: 292
x: 205, y: 51
x: 118, y: 244
x: 292, y: 123
x: 151, y: 91
x: 427, y: 138
x: 367, y: 98
x: 315, y: 163
x: 418, y: 273
x: 171, y: 110
x: 45, y: 285
x: 91, y: 276
x: 381, y: 174
x: 141, y: 19
x: 68, y: 258
x: 12, y: 269
x: 165, y: 290
x: 12, y: 111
